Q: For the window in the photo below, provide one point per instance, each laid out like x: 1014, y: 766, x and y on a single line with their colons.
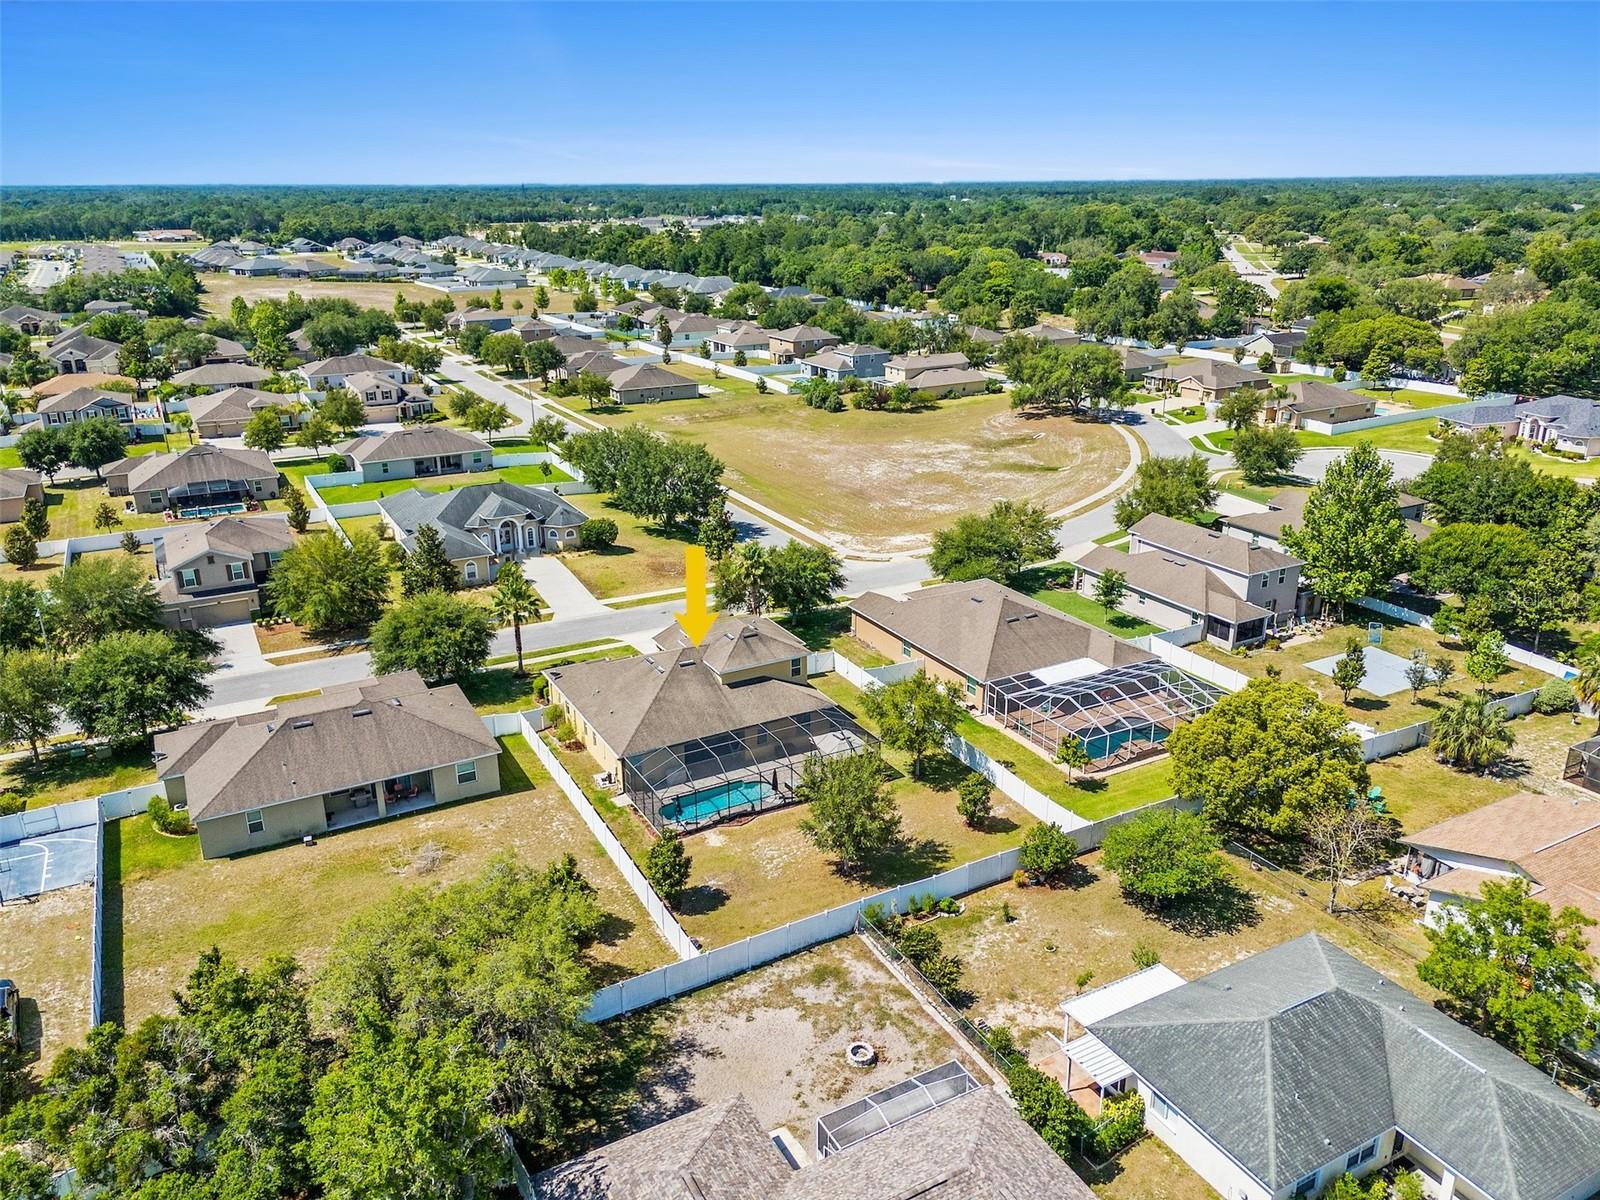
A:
x: 255, y: 821
x: 1159, y: 1105
x: 797, y: 668
x: 1282, y: 576
x: 235, y: 572
x: 1369, y: 1151
x: 188, y: 578
x: 972, y: 686
x: 467, y: 772
x: 156, y: 497
x: 1307, y: 1185
x: 385, y: 468
x: 472, y: 572
x: 905, y: 649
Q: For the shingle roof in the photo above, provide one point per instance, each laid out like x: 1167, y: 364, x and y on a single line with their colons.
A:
x: 240, y: 536
x: 1211, y: 373
x: 1288, y: 512
x: 946, y: 377
x: 915, y: 364
x: 1209, y: 546
x: 647, y: 375
x: 81, y: 398
x: 1301, y: 1052
x: 372, y: 730
x: 236, y: 404
x: 987, y: 631
x: 1186, y: 584
x: 15, y: 482
x: 198, y: 464
x: 1309, y: 397
x: 735, y: 643
x: 671, y: 697
x: 801, y: 333
x: 459, y: 514
x: 412, y: 441
x: 347, y: 364
x: 224, y: 374
x: 1573, y: 416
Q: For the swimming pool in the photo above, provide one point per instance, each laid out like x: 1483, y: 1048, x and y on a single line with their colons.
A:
x: 211, y: 510
x: 694, y: 808
x: 1107, y: 744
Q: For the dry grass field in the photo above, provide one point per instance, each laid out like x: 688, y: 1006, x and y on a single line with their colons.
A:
x: 885, y: 481
x: 45, y: 948
x: 221, y: 289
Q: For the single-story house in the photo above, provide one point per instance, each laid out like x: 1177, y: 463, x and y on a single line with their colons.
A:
x: 76, y: 353
x: 349, y: 245
x: 1561, y: 422
x: 226, y: 350
x: 1282, y: 344
x: 416, y: 452
x: 694, y: 734
x: 60, y: 385
x: 690, y: 328
x: 1551, y: 841
x: 32, y: 321
x: 226, y: 413
x: 1456, y: 287
x: 798, y: 341
x: 484, y: 524
x: 327, y: 373
x: 942, y: 1144
x: 1159, y: 260
x: 352, y: 754
x: 1206, y: 380
x: 741, y: 335
x: 989, y: 339
x: 83, y: 403
x: 648, y: 383
x: 18, y: 485
x: 571, y: 343
x: 851, y: 360
x: 904, y: 368
x: 949, y: 381
x: 302, y: 245
x: 1275, y: 1075
x: 1033, y: 670
x: 1268, y: 580
x: 595, y: 362
x: 218, y: 377
x: 199, y: 477
x: 1318, y: 407
x: 95, y: 307
x: 1136, y: 364
x: 165, y: 235
x: 212, y: 574
x: 386, y: 400
x: 1286, y: 510
x: 1052, y: 334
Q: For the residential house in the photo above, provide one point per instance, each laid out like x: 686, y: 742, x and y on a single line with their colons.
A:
x: 694, y: 734
x: 594, y: 361
x: 197, y: 478
x: 1275, y: 1075
x: 226, y: 350
x: 989, y: 339
x: 969, y: 1146
x: 226, y: 413
x: 1317, y: 407
x: 1034, y: 671
x: 95, y: 307
x: 569, y: 344
x: 386, y: 400
x: 60, y: 385
x: 258, y: 266
x: 219, y: 377
x: 302, y: 245
x: 352, y: 754
x: 1136, y: 364
x: 739, y: 336
x: 798, y: 341
x: 487, y: 318
x: 535, y: 331
x: 1568, y: 424
x: 1175, y: 592
x: 327, y: 373
x: 904, y: 368
x: 212, y: 574
x: 1551, y: 841
x: 485, y: 524
x: 1160, y: 261
x: 1286, y: 510
x: 76, y: 352
x: 850, y: 360
x: 81, y: 404
x: 349, y: 245
x: 1206, y: 380
x: 1282, y: 344
x: 417, y: 452
x: 1052, y: 335
x: 165, y: 235
x: 944, y: 382
x: 18, y: 485
x: 715, y: 287
x: 1054, y: 258
x: 31, y: 321
x: 1265, y: 578
x: 648, y: 383
x: 1455, y: 286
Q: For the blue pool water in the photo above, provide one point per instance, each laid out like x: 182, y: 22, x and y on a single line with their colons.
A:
x: 720, y: 801
x: 1110, y: 743
x: 211, y: 510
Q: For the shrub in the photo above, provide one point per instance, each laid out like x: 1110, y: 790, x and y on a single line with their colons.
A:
x: 1555, y: 697
x: 334, y: 463
x: 565, y: 733
x: 920, y: 944
x: 11, y: 802
x: 944, y: 973
x: 1145, y: 957
x: 1048, y: 855
x: 552, y: 716
x: 1019, y: 877
x: 1121, y: 1124
x: 667, y: 867
x: 974, y: 800
x: 1058, y: 1120
x: 166, y: 819
x: 597, y: 533
x: 1409, y: 1186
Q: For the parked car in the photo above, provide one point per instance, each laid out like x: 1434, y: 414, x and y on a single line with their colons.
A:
x: 10, y: 999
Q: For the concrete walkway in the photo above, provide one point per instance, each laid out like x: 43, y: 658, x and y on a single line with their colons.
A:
x: 563, y: 592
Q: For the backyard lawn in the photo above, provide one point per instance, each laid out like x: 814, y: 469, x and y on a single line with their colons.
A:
x: 1052, y: 585
x: 885, y: 481
x: 829, y: 629
x: 74, y: 773
x: 165, y: 904
x: 645, y: 558
x: 47, y: 947
x: 527, y: 476
x: 70, y: 506
x: 1380, y: 712
x: 38, y: 574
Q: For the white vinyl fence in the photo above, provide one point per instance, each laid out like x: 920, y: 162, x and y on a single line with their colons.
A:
x: 1193, y: 664
x: 1517, y: 654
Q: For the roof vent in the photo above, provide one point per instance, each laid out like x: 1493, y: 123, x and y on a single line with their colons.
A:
x: 362, y: 712
x: 688, y: 662
x: 1012, y: 620
x: 303, y: 723
x: 1030, y: 616
x: 394, y: 701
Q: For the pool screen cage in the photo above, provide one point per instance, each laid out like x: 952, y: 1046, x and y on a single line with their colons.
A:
x: 693, y: 784
x: 1583, y: 764
x: 895, y: 1105
x: 207, y: 491
x: 1118, y: 714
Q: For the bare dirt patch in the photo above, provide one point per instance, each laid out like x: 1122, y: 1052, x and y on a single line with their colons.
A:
x: 46, y: 947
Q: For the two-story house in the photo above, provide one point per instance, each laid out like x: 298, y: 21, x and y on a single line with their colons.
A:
x: 851, y: 360
x: 83, y: 404
x: 798, y: 341
x: 78, y: 353
x: 386, y: 400
x: 212, y: 574
x: 327, y: 373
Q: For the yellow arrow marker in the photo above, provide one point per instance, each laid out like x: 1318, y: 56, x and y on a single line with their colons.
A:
x: 696, y: 620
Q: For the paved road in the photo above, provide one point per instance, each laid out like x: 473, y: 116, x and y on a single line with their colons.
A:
x: 1250, y: 274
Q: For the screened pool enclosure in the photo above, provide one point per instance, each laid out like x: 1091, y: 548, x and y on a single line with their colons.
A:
x: 693, y: 784
x: 1118, y: 714
x: 894, y: 1105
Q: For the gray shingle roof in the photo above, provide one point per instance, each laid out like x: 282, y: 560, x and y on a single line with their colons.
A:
x: 240, y: 537
x: 647, y: 375
x: 221, y: 375
x: 198, y: 464
x: 1301, y: 1053
x: 1209, y: 546
x: 1211, y: 373
x: 15, y: 482
x: 412, y: 441
x: 347, y: 364
x: 1185, y: 584
x: 736, y: 643
x: 988, y: 632
x: 460, y: 514
x: 372, y: 730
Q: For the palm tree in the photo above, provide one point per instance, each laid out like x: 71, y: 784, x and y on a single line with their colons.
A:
x: 1586, y: 687
x: 514, y: 602
x: 1473, y: 735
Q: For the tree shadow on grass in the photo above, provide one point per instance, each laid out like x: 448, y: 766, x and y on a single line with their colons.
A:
x: 701, y: 900
x: 1224, y: 909
x: 818, y: 627
x: 913, y: 858
x: 613, y: 931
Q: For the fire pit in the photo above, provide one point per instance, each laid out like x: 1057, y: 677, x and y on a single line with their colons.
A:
x: 861, y: 1055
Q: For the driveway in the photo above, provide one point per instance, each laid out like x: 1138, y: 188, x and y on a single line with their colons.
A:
x: 1406, y: 463
x: 240, y: 650
x: 563, y: 592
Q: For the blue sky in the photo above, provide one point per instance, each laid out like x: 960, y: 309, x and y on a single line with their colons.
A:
x: 663, y: 92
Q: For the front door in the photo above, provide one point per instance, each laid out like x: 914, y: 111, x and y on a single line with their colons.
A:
x: 508, y: 537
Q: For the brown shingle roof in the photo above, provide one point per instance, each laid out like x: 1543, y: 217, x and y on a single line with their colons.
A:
x: 1182, y: 582
x: 237, y: 536
x: 736, y: 643
x: 16, y: 481
x: 413, y: 441
x: 198, y: 464
x: 647, y: 375
x: 1210, y: 546
x: 215, y: 374
x: 987, y: 631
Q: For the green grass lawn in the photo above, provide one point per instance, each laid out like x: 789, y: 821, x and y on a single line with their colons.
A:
x: 9, y: 458
x: 1408, y: 435
x: 829, y: 629
x: 74, y: 773
x: 1052, y: 586
x: 527, y: 476
x: 646, y: 558
x: 725, y: 385
x: 1187, y: 416
x: 71, y: 504
x: 1414, y: 397
x: 165, y: 904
